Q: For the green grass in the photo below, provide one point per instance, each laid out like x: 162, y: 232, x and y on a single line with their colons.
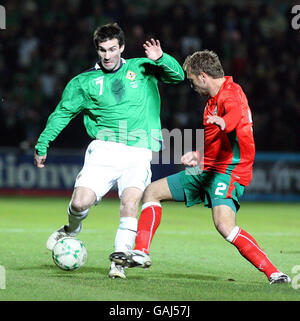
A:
x: 191, y: 261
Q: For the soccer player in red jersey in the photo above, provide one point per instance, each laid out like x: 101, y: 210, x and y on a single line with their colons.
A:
x: 218, y: 177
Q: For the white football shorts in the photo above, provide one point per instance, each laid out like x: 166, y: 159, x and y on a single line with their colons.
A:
x: 107, y: 163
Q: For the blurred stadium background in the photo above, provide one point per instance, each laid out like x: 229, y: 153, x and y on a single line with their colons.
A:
x: 48, y: 42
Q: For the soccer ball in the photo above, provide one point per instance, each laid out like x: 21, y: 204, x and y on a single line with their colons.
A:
x: 69, y: 253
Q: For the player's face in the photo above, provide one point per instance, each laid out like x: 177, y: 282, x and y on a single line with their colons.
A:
x: 110, y: 54
x: 198, y: 83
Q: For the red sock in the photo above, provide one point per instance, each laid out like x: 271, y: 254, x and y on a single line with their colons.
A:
x: 250, y: 250
x: 148, y: 223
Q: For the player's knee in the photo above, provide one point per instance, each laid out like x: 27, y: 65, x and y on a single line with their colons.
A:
x: 129, y: 207
x: 224, y: 225
x: 223, y: 228
x: 151, y: 194
x: 130, y: 202
x: 80, y: 205
x: 224, y: 219
x: 82, y: 199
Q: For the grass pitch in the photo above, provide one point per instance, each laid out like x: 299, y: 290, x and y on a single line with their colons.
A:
x: 191, y: 261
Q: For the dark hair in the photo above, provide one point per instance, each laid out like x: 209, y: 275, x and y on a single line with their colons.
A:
x: 108, y: 32
x: 204, y: 61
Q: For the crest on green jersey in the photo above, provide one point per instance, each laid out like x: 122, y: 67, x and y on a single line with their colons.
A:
x: 131, y: 75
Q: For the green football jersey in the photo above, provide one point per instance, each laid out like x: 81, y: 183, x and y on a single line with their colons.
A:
x: 121, y: 106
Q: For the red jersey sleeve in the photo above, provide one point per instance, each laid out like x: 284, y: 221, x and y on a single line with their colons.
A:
x: 233, y: 114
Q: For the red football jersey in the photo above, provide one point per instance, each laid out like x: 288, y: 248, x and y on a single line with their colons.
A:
x: 231, y: 151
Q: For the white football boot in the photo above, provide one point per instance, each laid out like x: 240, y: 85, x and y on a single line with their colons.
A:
x: 131, y: 259
x: 57, y: 235
x: 279, y: 277
x: 116, y: 271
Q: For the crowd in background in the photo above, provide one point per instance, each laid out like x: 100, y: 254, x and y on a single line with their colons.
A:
x: 48, y: 42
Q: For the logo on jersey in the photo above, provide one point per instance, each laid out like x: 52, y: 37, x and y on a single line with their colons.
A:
x: 131, y: 75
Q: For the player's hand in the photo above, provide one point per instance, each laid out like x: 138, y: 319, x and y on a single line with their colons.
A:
x: 153, y: 50
x: 190, y: 159
x: 39, y: 160
x: 219, y: 121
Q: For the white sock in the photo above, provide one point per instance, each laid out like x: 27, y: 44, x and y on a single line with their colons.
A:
x: 150, y: 204
x: 232, y: 234
x: 126, y: 234
x: 75, y: 219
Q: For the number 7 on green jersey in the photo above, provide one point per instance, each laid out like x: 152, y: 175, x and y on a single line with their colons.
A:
x: 99, y: 81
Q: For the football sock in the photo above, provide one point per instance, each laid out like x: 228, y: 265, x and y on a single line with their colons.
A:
x: 250, y: 250
x: 75, y: 219
x: 126, y: 233
x: 148, y: 223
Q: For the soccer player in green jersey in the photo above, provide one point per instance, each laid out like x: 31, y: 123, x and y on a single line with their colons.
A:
x: 121, y: 105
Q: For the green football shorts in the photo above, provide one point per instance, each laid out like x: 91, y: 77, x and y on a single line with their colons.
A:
x: 212, y: 188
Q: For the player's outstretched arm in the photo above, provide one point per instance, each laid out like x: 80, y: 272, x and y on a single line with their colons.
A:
x: 39, y: 160
x: 170, y: 71
x: 153, y: 49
